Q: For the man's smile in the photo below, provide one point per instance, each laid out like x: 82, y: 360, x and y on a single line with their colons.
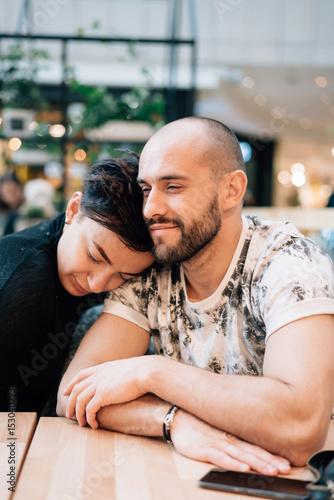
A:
x: 161, y: 229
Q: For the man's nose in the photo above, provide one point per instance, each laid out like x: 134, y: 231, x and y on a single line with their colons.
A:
x: 154, y: 205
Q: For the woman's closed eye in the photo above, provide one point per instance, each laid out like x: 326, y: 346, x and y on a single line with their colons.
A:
x: 125, y: 276
x: 91, y: 257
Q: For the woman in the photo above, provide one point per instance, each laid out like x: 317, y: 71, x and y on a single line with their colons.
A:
x: 52, y: 272
x: 11, y: 198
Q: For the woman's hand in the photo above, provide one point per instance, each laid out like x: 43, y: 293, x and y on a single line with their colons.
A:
x: 109, y: 383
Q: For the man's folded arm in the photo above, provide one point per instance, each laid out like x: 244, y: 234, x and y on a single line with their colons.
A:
x: 190, y: 435
x: 114, y: 338
x: 286, y: 411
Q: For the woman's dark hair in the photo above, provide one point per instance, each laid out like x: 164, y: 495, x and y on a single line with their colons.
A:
x: 113, y: 198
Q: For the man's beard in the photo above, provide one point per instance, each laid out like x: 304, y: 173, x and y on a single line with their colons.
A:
x: 193, y: 239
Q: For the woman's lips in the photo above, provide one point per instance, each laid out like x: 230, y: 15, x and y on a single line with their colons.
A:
x: 79, y: 287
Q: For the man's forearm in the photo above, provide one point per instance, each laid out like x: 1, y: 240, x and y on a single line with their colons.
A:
x: 260, y: 410
x: 285, y: 411
x: 191, y: 436
x: 142, y: 417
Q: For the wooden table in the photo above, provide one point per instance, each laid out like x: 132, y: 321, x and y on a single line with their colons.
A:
x: 16, y: 431
x: 67, y: 462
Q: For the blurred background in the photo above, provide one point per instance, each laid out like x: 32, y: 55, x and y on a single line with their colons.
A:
x: 80, y: 79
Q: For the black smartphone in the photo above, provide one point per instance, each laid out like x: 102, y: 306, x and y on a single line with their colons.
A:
x: 259, y: 485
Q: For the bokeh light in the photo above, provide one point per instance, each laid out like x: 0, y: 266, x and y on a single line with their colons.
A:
x: 298, y: 168
x: 80, y: 155
x: 284, y: 177
x: 261, y: 99
x: 298, y: 179
x: 248, y: 82
x: 57, y: 130
x: 321, y: 81
x: 14, y: 143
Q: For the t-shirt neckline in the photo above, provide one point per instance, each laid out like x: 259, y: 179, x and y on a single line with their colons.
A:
x: 209, y: 301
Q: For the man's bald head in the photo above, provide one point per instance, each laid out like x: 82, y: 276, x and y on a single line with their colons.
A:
x: 212, y: 141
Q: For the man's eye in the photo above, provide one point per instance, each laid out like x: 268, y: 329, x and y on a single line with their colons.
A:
x: 145, y: 191
x: 173, y: 188
x: 91, y: 257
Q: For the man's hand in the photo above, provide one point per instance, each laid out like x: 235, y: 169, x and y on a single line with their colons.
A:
x: 198, y: 440
x: 115, y: 382
x: 109, y: 383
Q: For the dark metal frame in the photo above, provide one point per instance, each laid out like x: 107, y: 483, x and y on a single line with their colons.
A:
x: 171, y: 91
x: 173, y: 43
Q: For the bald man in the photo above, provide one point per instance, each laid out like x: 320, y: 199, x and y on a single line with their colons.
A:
x: 240, y: 310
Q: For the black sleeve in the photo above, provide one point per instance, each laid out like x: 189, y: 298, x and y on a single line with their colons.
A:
x: 30, y: 359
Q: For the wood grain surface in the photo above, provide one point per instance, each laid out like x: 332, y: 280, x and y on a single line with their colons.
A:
x: 67, y: 462
x: 16, y: 432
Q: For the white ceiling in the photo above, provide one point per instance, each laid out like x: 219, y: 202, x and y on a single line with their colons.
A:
x: 283, y: 45
x: 275, y: 102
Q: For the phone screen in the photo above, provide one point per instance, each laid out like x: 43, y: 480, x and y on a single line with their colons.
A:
x: 255, y: 484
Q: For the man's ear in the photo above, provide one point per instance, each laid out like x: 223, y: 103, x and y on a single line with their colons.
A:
x: 233, y: 188
x: 73, y: 207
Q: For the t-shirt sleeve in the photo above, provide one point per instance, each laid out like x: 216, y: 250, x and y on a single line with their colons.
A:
x: 296, y: 282
x: 131, y: 300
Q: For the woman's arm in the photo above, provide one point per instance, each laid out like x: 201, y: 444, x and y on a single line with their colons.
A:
x: 109, y: 338
x: 30, y: 358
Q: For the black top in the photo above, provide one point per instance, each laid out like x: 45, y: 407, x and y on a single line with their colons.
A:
x: 37, y: 316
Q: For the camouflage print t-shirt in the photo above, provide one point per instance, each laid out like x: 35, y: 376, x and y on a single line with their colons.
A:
x: 277, y: 276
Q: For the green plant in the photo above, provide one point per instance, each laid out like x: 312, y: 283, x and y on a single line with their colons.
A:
x: 143, y: 103
x: 33, y: 212
x: 19, y: 70
x: 101, y: 106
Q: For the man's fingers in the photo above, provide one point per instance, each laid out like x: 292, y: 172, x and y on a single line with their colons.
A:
x: 235, y: 459
x: 218, y: 458
x: 253, y: 461
x: 275, y: 463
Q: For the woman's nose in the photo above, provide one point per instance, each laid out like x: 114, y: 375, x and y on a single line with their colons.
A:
x: 96, y: 283
x: 102, y: 282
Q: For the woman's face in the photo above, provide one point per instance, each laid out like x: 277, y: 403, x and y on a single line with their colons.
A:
x: 92, y: 259
x: 11, y: 193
